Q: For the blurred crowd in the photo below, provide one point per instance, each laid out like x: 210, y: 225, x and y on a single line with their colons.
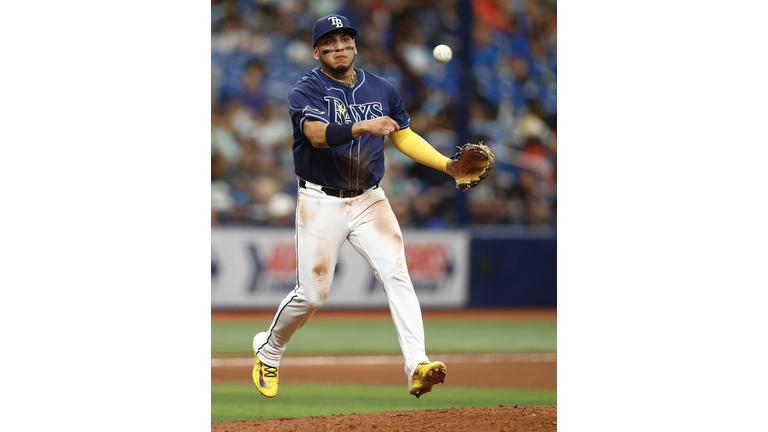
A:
x: 261, y: 48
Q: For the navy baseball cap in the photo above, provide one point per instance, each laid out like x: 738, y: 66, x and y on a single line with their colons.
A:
x: 331, y: 23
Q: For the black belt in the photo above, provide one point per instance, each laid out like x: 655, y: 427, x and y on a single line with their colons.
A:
x: 337, y: 192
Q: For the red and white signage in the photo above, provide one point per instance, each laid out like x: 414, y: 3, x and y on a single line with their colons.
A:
x: 255, y: 268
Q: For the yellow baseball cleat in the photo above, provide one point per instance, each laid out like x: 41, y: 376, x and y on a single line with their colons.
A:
x: 265, y: 377
x: 425, y: 376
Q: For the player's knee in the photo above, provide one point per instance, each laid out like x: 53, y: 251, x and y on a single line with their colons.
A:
x: 320, y: 293
x: 314, y: 302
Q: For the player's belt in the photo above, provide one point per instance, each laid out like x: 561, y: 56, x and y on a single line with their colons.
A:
x: 338, y: 192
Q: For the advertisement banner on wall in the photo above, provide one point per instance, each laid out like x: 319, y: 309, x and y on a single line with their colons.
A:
x: 255, y: 268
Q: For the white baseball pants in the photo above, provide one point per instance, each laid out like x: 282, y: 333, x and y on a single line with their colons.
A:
x: 323, y: 223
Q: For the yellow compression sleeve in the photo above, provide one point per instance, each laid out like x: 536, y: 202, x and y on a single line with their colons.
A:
x: 415, y: 147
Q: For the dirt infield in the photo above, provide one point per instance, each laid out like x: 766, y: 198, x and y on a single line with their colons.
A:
x: 520, y: 372
x: 501, y: 418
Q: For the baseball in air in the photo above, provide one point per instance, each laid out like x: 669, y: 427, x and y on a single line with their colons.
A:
x: 442, y: 53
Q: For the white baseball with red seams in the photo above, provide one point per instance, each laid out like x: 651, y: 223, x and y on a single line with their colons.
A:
x: 442, y: 53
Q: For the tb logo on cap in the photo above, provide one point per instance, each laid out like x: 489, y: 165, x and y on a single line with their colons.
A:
x: 336, y: 21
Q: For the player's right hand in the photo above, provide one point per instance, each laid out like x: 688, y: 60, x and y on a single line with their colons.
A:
x: 380, y: 126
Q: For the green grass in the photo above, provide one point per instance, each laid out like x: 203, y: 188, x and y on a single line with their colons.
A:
x: 243, y: 402
x: 329, y: 338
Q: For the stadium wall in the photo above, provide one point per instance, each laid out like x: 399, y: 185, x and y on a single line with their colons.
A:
x: 254, y: 268
x: 513, y: 267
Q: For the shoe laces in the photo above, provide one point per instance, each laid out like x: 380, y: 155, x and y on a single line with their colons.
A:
x: 416, y: 372
x: 270, y: 372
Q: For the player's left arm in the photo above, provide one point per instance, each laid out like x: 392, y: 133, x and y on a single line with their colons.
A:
x: 328, y: 135
x: 417, y: 148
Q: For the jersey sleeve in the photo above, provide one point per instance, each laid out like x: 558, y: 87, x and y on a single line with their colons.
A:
x: 397, y: 109
x: 304, y: 102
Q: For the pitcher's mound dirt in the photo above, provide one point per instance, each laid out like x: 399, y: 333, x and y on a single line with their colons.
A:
x: 501, y: 418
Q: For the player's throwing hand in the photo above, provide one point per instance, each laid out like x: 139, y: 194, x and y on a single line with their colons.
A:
x: 382, y: 126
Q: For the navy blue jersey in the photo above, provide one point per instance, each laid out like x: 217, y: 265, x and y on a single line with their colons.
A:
x: 358, y: 164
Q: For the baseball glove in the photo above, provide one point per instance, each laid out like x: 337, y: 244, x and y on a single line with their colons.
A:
x: 471, y: 165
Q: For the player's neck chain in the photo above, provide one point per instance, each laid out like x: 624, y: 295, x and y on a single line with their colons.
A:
x: 351, y: 83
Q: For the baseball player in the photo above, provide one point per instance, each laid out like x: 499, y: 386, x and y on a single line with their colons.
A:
x: 340, y: 116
